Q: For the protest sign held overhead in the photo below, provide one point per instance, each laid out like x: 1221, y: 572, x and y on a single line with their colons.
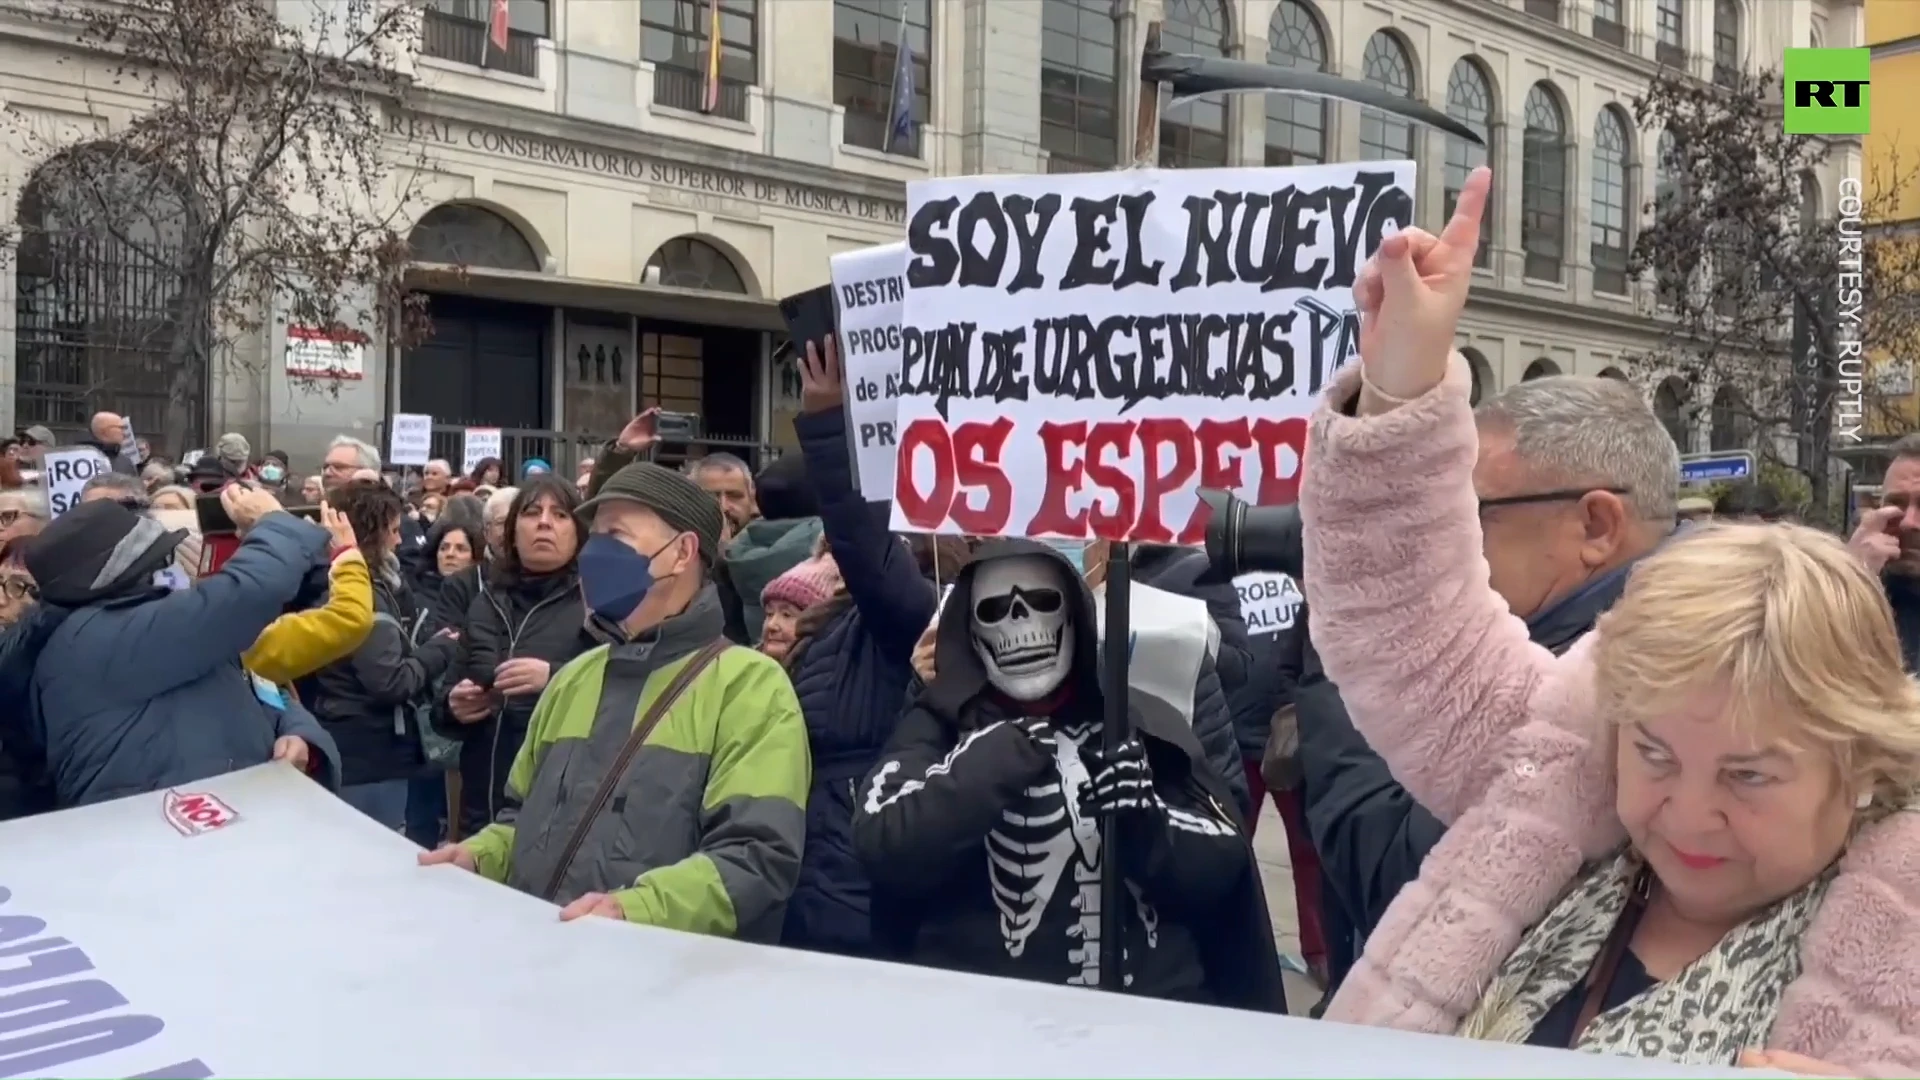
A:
x: 65, y: 473
x: 868, y: 288
x: 1080, y: 352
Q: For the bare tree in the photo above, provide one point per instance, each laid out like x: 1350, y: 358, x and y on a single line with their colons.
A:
x: 1753, y: 266
x: 252, y: 177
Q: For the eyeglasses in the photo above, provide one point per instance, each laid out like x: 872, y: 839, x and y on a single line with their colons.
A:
x: 19, y: 588
x: 1563, y: 495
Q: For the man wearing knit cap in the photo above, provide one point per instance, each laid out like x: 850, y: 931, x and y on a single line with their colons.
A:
x: 665, y: 705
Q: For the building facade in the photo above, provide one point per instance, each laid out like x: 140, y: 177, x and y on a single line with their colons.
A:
x: 623, y: 225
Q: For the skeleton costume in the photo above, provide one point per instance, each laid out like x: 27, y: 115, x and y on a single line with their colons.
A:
x: 980, y: 826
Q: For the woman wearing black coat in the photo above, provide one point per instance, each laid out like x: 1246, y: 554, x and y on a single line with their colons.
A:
x: 525, y: 622
x: 371, y: 701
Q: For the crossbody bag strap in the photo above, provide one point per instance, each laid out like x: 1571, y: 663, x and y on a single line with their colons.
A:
x: 648, y: 721
x: 1607, y: 964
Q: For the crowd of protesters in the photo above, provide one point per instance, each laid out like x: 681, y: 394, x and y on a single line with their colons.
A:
x: 1561, y: 761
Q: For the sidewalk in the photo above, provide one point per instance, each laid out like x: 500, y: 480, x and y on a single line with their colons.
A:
x: 1276, y: 876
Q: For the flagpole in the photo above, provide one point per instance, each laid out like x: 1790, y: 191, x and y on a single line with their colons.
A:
x: 893, y: 84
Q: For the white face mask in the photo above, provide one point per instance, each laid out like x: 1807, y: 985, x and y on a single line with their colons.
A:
x: 1022, y: 628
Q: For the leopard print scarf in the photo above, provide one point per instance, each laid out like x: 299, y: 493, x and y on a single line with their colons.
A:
x: 1719, y: 1005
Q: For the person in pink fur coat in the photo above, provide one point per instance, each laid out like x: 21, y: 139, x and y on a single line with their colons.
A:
x: 1694, y: 836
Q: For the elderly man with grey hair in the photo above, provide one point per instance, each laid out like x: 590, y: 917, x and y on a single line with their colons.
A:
x: 128, y: 491
x: 1577, y: 480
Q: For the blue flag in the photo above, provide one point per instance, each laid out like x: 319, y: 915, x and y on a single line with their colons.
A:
x: 900, y: 115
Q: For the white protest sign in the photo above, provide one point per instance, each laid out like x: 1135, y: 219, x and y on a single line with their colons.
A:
x: 480, y: 444
x: 65, y: 471
x: 411, y: 442
x: 868, y: 289
x: 264, y: 901
x: 1172, y: 636
x: 1080, y: 352
x: 1268, y: 602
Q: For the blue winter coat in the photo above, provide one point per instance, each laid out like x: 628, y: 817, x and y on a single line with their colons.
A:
x: 146, y: 693
x: 850, y: 677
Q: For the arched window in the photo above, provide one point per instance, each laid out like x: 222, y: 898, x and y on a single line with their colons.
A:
x: 101, y: 293
x: 1611, y: 158
x: 1296, y: 124
x: 1543, y: 185
x: 1470, y: 101
x: 867, y: 38
x: 1670, y: 405
x: 1076, y: 85
x: 674, y: 36
x: 1540, y: 369
x: 1387, y: 65
x: 1614, y: 373
x: 1199, y: 140
x: 1732, y: 421
x: 1670, y: 33
x: 1726, y: 42
x: 686, y: 263
x: 462, y: 235
x: 1482, y: 373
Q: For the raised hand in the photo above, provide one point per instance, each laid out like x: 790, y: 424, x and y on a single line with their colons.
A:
x: 822, y: 386
x: 1874, y: 540
x: 1409, y: 296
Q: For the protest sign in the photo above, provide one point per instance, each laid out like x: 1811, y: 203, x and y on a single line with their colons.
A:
x: 1268, y: 602
x: 279, y: 932
x: 65, y: 472
x: 479, y: 444
x: 1171, y: 637
x: 1080, y: 352
x: 411, y: 442
x: 867, y: 284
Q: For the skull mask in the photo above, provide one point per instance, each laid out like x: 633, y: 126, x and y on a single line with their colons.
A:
x: 1021, y: 629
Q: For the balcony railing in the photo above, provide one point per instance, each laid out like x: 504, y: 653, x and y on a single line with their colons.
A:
x: 1610, y: 271
x: 1545, y: 9
x: 1726, y: 75
x: 1671, y: 55
x: 464, y: 41
x: 868, y: 130
x: 1611, y: 32
x: 686, y: 89
x: 1060, y: 163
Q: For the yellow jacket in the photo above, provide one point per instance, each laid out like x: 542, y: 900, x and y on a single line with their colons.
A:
x: 299, y: 644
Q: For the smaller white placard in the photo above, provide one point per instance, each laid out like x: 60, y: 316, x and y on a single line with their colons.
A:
x: 313, y: 353
x: 1268, y: 602
x: 481, y: 443
x: 64, y: 472
x: 412, y: 440
x: 869, y: 287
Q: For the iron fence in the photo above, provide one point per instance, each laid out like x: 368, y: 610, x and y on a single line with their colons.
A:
x: 563, y: 451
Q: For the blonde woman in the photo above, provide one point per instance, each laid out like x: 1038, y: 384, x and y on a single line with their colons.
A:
x: 1689, y: 838
x: 172, y: 497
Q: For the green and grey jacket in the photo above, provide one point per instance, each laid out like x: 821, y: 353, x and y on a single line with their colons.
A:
x: 704, y: 831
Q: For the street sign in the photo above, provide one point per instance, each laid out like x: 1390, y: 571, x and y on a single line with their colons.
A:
x: 1708, y: 468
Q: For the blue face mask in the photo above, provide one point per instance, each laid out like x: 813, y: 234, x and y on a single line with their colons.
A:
x: 1075, y: 552
x: 272, y: 474
x: 614, y: 578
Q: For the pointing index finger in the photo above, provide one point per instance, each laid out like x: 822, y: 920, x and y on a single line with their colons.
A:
x: 1463, y: 229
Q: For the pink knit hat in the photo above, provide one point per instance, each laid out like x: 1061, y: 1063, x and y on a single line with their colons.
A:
x: 807, y: 584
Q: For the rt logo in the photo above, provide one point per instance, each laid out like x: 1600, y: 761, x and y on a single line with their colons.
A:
x: 1828, y: 91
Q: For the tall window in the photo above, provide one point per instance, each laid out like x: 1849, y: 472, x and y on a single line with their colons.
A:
x: 1200, y: 140
x: 1669, y: 32
x: 1470, y: 101
x: 1726, y: 41
x: 1543, y: 185
x: 1296, y: 125
x: 1670, y: 406
x: 1076, y: 85
x: 1608, y: 24
x: 1610, y: 222
x: 674, y: 36
x: 867, y: 37
x: 1386, y: 64
x: 1667, y: 283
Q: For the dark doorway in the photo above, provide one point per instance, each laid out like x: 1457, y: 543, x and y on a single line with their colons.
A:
x: 707, y: 370
x: 486, y: 365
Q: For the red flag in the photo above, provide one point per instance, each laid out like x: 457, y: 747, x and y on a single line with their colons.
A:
x: 497, y: 25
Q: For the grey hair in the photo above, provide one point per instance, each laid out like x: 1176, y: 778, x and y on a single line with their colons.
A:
x: 121, y: 484
x: 723, y: 462
x: 369, y: 458
x: 1586, y: 429
x: 1906, y: 446
x: 442, y: 462
x: 500, y: 502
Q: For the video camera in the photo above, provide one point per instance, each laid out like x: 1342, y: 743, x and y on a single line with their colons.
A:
x: 1243, y: 539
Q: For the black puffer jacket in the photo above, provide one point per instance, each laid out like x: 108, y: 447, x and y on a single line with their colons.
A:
x: 539, y: 616
x: 367, y: 701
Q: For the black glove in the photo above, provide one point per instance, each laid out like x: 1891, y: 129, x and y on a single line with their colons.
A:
x: 1120, y: 782
x: 1038, y: 730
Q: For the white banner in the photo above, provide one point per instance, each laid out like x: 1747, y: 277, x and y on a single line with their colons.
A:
x: 64, y: 473
x: 1081, y: 352
x: 1171, y: 636
x: 255, y: 926
x: 868, y: 289
x: 479, y: 444
x: 411, y: 442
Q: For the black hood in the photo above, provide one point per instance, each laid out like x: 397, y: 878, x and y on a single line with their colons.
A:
x: 961, y: 677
